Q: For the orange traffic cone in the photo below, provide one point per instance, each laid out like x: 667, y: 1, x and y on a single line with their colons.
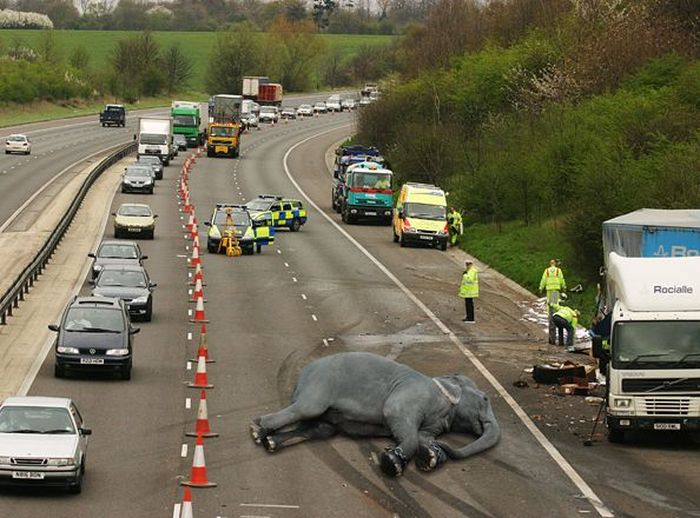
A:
x: 203, y: 351
x: 198, y: 291
x: 186, y: 511
x: 195, y: 240
x: 200, y: 377
x: 197, y: 275
x: 188, y: 206
x: 199, y: 317
x: 190, y: 220
x: 198, y: 478
x: 201, y: 428
x: 194, y: 261
x: 195, y: 229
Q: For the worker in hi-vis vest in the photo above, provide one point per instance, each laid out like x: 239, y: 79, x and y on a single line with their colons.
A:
x: 553, y: 282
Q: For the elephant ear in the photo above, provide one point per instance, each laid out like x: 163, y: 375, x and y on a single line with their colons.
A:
x: 450, y: 388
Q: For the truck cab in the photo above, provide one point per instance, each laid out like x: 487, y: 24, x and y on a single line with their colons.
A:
x: 187, y: 121
x: 224, y: 130
x: 653, y: 373
x: 367, y: 193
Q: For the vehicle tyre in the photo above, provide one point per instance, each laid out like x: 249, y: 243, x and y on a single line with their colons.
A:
x: 125, y: 372
x: 617, y: 436
x: 150, y: 234
x: 210, y: 154
x: 149, y: 312
x: 166, y: 163
x: 77, y: 487
x: 258, y: 248
x: 296, y: 225
x: 123, y: 190
x: 103, y: 124
x: 396, y: 237
x: 117, y: 234
x: 249, y: 250
x: 59, y: 371
x: 150, y: 191
x: 7, y: 152
x: 211, y: 248
x: 27, y: 152
x: 402, y: 241
x: 443, y: 246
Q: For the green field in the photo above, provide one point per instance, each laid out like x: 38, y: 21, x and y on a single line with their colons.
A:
x: 196, y: 44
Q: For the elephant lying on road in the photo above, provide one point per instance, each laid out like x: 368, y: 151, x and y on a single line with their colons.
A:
x: 365, y: 395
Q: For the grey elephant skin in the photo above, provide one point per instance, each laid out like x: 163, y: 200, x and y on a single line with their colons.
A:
x: 366, y: 395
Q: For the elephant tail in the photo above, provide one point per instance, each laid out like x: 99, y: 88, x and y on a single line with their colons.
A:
x: 489, y: 439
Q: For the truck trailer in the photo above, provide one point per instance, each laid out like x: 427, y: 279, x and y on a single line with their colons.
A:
x: 653, y: 356
x: 155, y: 138
x: 262, y: 91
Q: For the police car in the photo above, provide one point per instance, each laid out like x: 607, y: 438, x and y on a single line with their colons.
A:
x: 286, y: 213
x: 252, y: 230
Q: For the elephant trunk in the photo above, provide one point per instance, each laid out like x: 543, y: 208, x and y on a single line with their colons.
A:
x: 488, y: 439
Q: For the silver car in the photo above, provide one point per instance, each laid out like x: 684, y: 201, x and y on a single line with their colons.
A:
x: 18, y: 144
x: 43, y: 441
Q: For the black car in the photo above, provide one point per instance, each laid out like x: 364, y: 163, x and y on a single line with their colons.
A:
x: 113, y: 115
x: 155, y: 164
x: 95, y: 334
x: 138, y: 178
x: 112, y: 251
x: 129, y: 283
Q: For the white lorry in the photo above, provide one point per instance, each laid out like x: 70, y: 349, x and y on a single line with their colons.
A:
x: 155, y: 138
x: 654, y: 345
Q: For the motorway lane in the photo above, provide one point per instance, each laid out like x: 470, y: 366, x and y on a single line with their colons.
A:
x: 360, y: 309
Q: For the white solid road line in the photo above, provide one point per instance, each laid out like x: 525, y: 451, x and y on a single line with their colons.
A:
x: 567, y: 468
x: 183, y: 450
x: 272, y: 506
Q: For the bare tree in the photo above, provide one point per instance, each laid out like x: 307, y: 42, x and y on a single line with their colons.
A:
x: 177, y: 66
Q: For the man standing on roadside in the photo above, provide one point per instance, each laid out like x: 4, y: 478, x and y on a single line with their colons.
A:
x: 469, y: 289
x: 553, y: 282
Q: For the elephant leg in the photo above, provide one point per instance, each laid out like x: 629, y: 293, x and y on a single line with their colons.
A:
x: 429, y: 455
x: 394, y: 460
x: 294, y: 413
x: 305, y: 431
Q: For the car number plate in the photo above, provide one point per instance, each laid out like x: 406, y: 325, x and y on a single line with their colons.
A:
x: 92, y: 361
x: 33, y: 475
x: 427, y: 238
x: 667, y: 426
x: 134, y: 229
x: 370, y: 213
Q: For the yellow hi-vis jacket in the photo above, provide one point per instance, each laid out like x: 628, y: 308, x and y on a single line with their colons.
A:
x: 469, y: 289
x: 552, y: 279
x: 567, y: 313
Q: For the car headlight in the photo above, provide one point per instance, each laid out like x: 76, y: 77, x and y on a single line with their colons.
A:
x: 67, y: 350
x: 140, y: 300
x: 97, y: 267
x: 622, y: 403
x: 411, y: 230
x: 60, y: 462
x: 4, y: 460
x: 117, y: 352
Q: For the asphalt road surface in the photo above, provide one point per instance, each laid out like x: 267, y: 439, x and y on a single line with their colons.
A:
x: 314, y: 293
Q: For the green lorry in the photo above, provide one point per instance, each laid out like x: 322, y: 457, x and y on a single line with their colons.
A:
x: 187, y: 121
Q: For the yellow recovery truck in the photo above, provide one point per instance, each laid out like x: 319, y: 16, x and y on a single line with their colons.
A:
x: 224, y: 130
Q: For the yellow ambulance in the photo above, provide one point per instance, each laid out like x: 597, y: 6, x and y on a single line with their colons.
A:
x: 420, y: 216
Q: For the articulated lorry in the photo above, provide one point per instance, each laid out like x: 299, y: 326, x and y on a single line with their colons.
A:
x: 262, y: 91
x: 224, y: 130
x: 651, y: 343
x: 187, y: 121
x: 155, y: 138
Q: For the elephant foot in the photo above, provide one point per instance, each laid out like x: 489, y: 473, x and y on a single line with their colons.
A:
x: 257, y: 432
x: 430, y: 457
x: 393, y: 462
x: 269, y: 443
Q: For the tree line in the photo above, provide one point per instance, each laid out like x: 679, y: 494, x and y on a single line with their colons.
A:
x: 332, y: 16
x: 548, y: 110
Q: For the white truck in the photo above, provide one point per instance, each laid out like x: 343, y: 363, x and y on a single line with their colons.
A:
x: 653, y: 356
x: 155, y: 138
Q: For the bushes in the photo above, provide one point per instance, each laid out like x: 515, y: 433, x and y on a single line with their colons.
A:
x: 22, y: 82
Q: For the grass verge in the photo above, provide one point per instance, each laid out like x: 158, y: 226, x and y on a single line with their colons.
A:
x: 522, y: 252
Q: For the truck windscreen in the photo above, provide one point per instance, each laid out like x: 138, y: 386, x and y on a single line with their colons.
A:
x: 154, y: 139
x: 659, y: 344
x: 371, y: 180
x: 184, y: 120
x: 222, y: 131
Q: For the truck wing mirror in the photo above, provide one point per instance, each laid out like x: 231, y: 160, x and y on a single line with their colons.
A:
x: 597, y: 350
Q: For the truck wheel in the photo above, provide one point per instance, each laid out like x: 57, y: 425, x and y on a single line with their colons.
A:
x: 59, y: 371
x: 296, y: 225
x: 617, y: 436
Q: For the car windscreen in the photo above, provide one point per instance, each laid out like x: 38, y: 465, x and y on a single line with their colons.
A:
x: 155, y: 139
x: 305, y: 107
x: 371, y: 180
x: 268, y: 109
x: 126, y: 278
x: 82, y: 319
x: 179, y: 138
x: 148, y: 160
x: 139, y: 171
x: 240, y: 219
x: 114, y: 109
x: 134, y: 211
x: 39, y: 420
x: 117, y: 251
x: 184, y: 120
x: 222, y: 131
x: 425, y: 211
x: 664, y: 344
x: 16, y: 138
x: 259, y: 204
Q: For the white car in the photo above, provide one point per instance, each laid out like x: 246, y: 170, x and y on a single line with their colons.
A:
x: 269, y: 114
x: 320, y: 107
x: 365, y: 101
x: 305, y: 110
x: 348, y: 104
x: 43, y: 441
x: 18, y: 144
x: 249, y: 119
x: 333, y: 104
